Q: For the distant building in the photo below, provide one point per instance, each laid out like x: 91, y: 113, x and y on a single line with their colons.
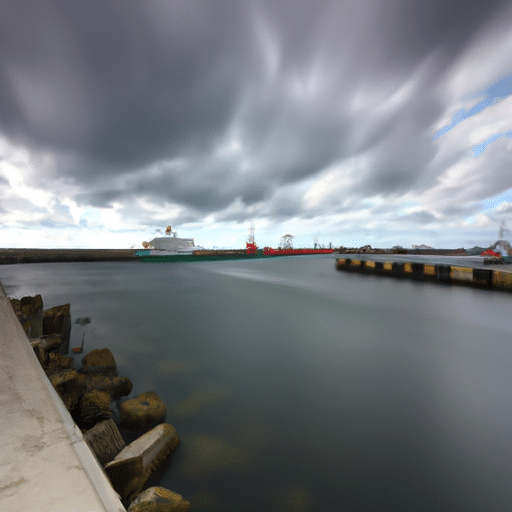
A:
x: 422, y: 246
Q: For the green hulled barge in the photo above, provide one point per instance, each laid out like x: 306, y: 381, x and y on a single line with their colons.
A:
x: 181, y: 250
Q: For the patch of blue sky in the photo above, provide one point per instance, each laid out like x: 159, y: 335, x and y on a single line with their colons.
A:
x: 497, y: 91
x: 91, y: 213
x: 61, y: 207
x: 493, y: 202
x: 48, y: 223
x: 402, y: 209
x: 480, y: 148
x: 89, y: 218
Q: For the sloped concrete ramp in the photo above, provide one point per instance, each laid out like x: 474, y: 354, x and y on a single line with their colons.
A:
x: 45, y: 464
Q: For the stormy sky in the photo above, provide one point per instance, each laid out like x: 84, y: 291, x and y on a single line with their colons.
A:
x: 357, y: 121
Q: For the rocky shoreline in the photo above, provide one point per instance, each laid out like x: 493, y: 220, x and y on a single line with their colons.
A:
x: 93, y: 395
x: 13, y: 256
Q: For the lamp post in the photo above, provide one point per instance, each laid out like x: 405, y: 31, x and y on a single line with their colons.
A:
x: 83, y: 321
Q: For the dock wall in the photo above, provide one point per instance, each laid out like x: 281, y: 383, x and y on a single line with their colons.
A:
x: 46, y: 465
x: 13, y: 256
x: 440, y: 273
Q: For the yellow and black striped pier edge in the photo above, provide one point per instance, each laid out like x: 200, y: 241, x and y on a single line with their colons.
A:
x: 448, y: 274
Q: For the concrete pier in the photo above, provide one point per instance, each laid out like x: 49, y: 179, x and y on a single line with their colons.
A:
x: 494, y: 277
x: 45, y: 464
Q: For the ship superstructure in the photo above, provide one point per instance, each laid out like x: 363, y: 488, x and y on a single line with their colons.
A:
x: 171, y: 244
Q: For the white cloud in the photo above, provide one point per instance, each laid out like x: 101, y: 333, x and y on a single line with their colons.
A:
x: 335, y: 182
x: 484, y: 61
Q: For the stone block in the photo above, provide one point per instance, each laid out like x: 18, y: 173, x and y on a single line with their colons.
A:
x: 57, y: 362
x: 40, y: 352
x: 16, y: 305
x: 57, y: 320
x: 115, y: 386
x: 29, y: 306
x: 29, y: 311
x: 105, y: 441
x: 143, y: 412
x: 124, y: 475
x: 95, y: 407
x: 50, y: 342
x: 145, y: 455
x: 100, y: 361
x: 69, y: 386
x: 159, y: 499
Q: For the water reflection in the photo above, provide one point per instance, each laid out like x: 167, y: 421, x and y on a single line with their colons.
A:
x: 205, y: 499
x: 205, y: 455
x: 203, y: 395
x: 293, y: 498
x: 168, y: 366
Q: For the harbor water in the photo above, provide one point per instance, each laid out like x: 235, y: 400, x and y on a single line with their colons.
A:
x: 295, y: 387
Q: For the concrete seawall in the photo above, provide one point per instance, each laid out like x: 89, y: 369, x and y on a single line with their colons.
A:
x: 488, y: 278
x: 9, y: 256
x: 46, y: 464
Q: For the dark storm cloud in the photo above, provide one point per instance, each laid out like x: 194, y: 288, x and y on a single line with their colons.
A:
x: 422, y: 217
x: 120, y: 82
x: 459, y: 210
x: 411, y: 29
x: 117, y: 88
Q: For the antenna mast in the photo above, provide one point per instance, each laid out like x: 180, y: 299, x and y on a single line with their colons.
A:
x: 250, y: 240
x: 250, y: 244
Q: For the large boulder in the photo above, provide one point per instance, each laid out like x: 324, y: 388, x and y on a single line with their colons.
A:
x: 124, y: 475
x: 16, y: 305
x: 136, y: 463
x: 159, y: 499
x: 40, y: 352
x: 29, y: 311
x: 115, y: 386
x: 143, y: 412
x: 100, y: 361
x: 105, y: 441
x: 69, y: 385
x: 57, y: 320
x: 50, y: 342
x: 95, y: 407
x: 30, y: 306
x: 56, y: 362
x: 44, y: 345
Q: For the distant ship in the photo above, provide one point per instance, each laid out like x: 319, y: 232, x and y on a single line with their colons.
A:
x: 168, y: 245
x: 172, y: 249
x: 500, y: 248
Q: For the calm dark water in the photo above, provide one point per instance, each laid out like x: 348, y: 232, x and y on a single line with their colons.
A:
x: 295, y: 387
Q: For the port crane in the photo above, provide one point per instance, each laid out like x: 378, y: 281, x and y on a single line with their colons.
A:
x: 286, y: 242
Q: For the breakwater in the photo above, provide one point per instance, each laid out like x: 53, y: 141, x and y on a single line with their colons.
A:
x: 440, y: 273
x: 11, y: 256
x: 54, y: 412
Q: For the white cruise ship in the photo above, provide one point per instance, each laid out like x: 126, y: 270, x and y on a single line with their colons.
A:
x: 170, y: 244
